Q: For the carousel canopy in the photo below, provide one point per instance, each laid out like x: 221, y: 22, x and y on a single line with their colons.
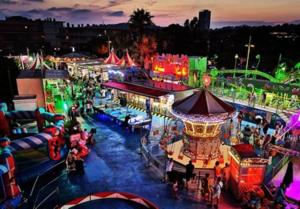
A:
x: 112, y: 58
x: 202, y: 106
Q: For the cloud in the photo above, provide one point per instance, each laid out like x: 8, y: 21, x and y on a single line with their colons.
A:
x: 35, y: 0
x: 151, y: 2
x: 112, y: 3
x: 7, y: 2
x: 59, y: 9
x: 116, y: 14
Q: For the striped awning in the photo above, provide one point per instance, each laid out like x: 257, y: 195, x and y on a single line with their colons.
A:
x: 21, y: 115
x: 30, y: 142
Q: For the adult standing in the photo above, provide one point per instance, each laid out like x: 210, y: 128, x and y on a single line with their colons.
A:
x: 189, y: 172
x: 289, y: 174
x: 265, y: 127
x: 217, y: 192
x: 217, y: 170
x: 169, y: 169
x: 226, y: 175
x: 263, y: 99
x: 205, y: 187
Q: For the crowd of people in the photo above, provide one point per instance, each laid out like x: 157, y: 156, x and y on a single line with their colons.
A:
x: 208, y: 186
x: 260, y: 135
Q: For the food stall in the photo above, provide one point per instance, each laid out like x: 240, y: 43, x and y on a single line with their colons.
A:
x: 247, y: 169
x: 57, y: 90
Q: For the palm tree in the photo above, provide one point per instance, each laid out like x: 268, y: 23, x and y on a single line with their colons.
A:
x: 139, y: 19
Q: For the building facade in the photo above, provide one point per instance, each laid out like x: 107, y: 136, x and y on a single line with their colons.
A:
x: 204, y: 20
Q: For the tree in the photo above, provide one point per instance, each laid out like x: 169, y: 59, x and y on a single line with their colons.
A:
x: 145, y: 47
x: 194, y: 23
x: 140, y: 19
x: 187, y: 23
x: 8, y: 75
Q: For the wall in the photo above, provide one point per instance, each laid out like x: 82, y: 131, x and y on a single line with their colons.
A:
x: 33, y: 87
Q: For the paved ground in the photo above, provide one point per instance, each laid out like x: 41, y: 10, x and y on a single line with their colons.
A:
x: 115, y: 165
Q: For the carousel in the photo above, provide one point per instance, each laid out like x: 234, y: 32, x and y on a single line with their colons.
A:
x: 202, y: 114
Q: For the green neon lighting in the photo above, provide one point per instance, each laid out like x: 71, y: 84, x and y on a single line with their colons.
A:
x: 251, y: 72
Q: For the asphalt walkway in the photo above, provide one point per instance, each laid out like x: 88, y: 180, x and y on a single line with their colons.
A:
x: 115, y: 165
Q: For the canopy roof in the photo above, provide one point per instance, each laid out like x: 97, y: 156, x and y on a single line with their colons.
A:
x: 135, y: 89
x: 74, y: 55
x: 126, y: 60
x: 245, y: 150
x: 39, y: 63
x: 112, y: 58
x: 202, y: 106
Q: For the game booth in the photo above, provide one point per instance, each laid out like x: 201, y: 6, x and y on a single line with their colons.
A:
x: 170, y: 68
x: 18, y: 140
x: 137, y: 96
x: 290, y: 163
x: 247, y: 170
x: 51, y: 88
x: 90, y: 68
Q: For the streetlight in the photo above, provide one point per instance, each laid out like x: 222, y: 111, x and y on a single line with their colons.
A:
x: 249, y: 46
x: 109, y: 42
x: 236, y: 56
x: 258, y: 62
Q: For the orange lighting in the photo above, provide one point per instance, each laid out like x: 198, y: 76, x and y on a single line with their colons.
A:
x: 158, y: 69
x: 206, y: 80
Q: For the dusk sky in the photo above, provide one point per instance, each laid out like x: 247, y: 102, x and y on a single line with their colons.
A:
x: 224, y: 12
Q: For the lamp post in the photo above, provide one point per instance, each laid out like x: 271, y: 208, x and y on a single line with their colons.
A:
x: 236, y: 56
x: 109, y: 42
x: 249, y: 46
x: 258, y: 62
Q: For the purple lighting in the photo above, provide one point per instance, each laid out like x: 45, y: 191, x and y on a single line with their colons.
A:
x: 293, y: 191
x: 295, y: 121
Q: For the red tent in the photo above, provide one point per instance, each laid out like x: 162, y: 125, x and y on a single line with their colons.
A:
x: 126, y: 60
x: 112, y: 58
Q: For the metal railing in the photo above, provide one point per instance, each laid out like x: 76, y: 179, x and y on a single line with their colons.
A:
x: 42, y: 174
x: 44, y: 183
x: 278, y: 103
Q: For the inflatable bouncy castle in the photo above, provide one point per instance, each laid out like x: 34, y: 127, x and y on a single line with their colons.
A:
x: 51, y: 130
x: 11, y: 191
